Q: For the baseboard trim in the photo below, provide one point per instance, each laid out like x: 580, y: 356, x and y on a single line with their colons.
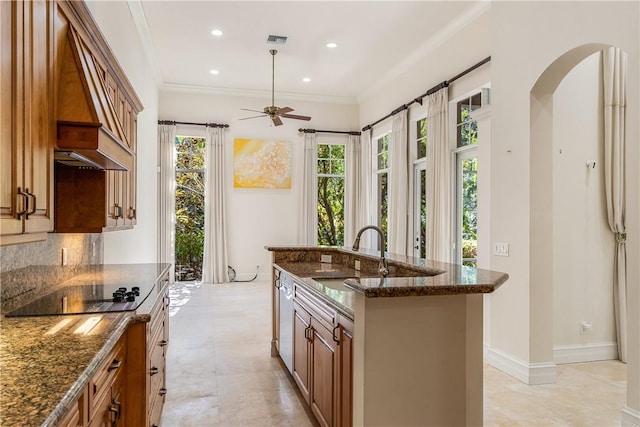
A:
x: 528, y: 373
x: 585, y: 352
x: 630, y: 417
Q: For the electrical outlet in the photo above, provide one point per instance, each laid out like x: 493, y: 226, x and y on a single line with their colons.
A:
x: 93, y: 249
x: 64, y: 256
x: 325, y: 258
x: 357, y: 265
x: 501, y: 249
x: 585, y: 327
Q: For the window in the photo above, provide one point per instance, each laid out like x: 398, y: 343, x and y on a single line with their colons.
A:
x: 466, y: 127
x: 382, y: 180
x: 419, y: 196
x: 331, y: 167
x: 189, y: 238
x: 467, y: 179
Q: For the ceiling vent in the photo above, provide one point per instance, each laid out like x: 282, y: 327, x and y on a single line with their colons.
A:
x: 276, y: 39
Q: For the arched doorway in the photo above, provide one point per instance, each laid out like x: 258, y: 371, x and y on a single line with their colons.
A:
x: 543, y: 254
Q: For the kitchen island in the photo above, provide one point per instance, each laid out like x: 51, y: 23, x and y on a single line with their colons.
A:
x: 48, y: 361
x: 413, y: 348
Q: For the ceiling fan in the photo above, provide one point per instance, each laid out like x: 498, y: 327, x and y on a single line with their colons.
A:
x: 272, y: 111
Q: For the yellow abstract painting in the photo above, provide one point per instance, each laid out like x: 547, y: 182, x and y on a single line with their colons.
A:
x: 259, y: 163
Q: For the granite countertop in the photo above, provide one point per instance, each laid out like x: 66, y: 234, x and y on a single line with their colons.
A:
x: 45, y: 363
x: 336, y: 281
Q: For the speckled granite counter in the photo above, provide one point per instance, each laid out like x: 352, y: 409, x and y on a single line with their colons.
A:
x: 43, y: 368
x: 408, y: 276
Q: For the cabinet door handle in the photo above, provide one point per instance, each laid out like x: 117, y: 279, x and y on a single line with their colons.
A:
x: 25, y: 203
x: 118, y: 211
x: 308, y: 333
x: 34, y: 206
x: 114, y: 365
x: 333, y: 334
x: 132, y: 213
x: 162, y: 343
x: 162, y: 391
x: 153, y: 371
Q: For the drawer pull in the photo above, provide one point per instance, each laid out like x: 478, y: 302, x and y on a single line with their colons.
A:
x: 162, y: 343
x: 162, y: 391
x: 154, y: 371
x: 114, y: 365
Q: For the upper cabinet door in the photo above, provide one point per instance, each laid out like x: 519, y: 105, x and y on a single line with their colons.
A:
x: 26, y: 81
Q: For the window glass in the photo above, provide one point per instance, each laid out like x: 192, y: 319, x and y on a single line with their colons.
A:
x: 331, y: 172
x: 189, y: 229
x: 421, y: 138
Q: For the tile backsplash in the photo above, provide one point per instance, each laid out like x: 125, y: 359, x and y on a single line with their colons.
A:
x: 31, y: 268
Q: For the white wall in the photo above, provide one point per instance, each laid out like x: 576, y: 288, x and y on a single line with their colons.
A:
x: 140, y: 243
x: 527, y: 37
x: 583, y: 245
x: 258, y: 217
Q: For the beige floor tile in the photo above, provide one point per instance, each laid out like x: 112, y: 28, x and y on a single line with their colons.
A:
x: 220, y: 372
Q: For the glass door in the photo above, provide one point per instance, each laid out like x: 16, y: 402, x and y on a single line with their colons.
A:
x: 420, y: 210
x: 467, y: 207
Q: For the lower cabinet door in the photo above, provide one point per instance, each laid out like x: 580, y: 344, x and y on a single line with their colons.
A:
x: 104, y: 412
x: 324, y: 380
x: 301, y: 344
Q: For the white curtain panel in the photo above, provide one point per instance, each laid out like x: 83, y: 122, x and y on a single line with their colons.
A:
x: 353, y: 190
x: 308, y: 226
x: 167, y: 195
x: 214, y: 264
x: 398, y: 185
x: 615, y: 82
x: 364, y: 208
x: 438, y: 178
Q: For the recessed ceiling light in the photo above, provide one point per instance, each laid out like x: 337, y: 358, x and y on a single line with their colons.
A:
x: 217, y: 33
x: 332, y: 45
x: 214, y: 72
x: 306, y: 79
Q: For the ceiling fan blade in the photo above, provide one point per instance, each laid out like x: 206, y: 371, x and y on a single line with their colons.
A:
x: 255, y: 111
x: 295, y: 116
x: 252, y: 117
x: 276, y: 120
x: 284, y: 110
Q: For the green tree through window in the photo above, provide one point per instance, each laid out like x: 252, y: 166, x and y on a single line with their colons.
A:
x: 331, y: 167
x: 189, y: 238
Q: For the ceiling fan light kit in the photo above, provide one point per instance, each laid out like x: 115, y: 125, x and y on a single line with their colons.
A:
x: 273, y: 112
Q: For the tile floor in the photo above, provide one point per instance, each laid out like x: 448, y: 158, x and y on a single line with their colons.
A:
x: 220, y: 372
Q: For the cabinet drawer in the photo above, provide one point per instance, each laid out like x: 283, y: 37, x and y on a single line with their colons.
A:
x: 157, y: 363
x: 105, y: 376
x: 155, y: 410
x: 318, y: 309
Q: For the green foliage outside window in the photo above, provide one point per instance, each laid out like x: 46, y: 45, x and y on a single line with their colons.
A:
x: 331, y: 167
x: 189, y: 238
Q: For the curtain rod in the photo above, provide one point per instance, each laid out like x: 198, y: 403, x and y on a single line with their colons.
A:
x: 434, y: 89
x: 210, y: 125
x: 344, y: 132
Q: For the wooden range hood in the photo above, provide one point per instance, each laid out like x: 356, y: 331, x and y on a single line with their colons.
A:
x: 91, y: 118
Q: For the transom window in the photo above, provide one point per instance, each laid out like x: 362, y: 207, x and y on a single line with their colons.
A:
x: 466, y: 127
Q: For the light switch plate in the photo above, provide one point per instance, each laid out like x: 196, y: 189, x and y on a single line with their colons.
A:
x: 325, y: 258
x: 357, y: 265
x: 501, y: 249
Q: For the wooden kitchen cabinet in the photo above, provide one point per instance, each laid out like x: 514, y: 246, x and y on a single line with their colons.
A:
x: 107, y: 389
x: 147, y: 351
x: 322, y: 362
x: 26, y: 118
x: 97, y: 118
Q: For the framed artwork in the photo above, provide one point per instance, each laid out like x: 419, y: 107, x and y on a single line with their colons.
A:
x: 259, y: 163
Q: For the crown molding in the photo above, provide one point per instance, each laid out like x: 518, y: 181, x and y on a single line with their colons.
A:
x: 253, y: 93
x: 140, y: 22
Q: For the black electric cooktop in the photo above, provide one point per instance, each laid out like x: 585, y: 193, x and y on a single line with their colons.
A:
x: 85, y: 299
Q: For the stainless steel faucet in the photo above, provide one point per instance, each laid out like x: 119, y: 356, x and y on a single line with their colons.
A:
x: 383, y: 268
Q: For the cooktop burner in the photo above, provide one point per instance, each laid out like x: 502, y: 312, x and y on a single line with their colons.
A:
x: 85, y: 299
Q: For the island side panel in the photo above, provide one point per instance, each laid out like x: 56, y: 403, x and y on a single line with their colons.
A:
x: 418, y: 361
